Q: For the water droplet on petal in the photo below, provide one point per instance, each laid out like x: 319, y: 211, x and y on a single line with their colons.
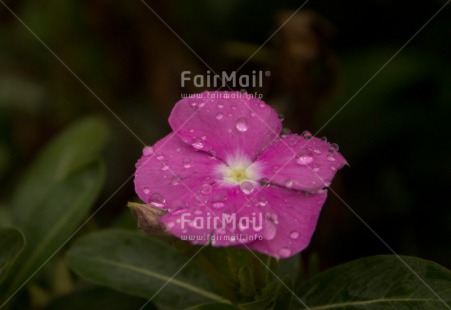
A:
x: 289, y: 183
x: 186, y: 164
x: 324, y: 139
x: 333, y: 147
x: 333, y: 168
x: 175, y: 180
x: 305, y: 157
x: 307, y: 134
x: 281, y: 117
x: 247, y: 187
x: 242, y: 124
x: 269, y: 231
x: 147, y: 151
x: 146, y: 190
x: 284, y: 252
x: 164, y: 167
x: 252, y: 114
x: 160, y: 157
x: 331, y: 157
x: 197, y: 144
x: 315, y: 167
x: 205, y: 189
x: 262, y: 201
x: 218, y: 204
x: 170, y: 225
x: 220, y: 105
x: 219, y: 116
x: 157, y: 200
x: 262, y: 105
x: 294, y: 235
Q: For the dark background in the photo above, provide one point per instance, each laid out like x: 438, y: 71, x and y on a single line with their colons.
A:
x: 394, y: 132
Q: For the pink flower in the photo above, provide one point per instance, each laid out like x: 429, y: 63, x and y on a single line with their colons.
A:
x: 225, y: 177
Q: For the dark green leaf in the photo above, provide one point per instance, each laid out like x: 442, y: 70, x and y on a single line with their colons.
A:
x: 57, y: 216
x: 74, y: 148
x: 98, y: 298
x: 380, y: 282
x: 214, y: 306
x: 142, y: 266
x: 11, y: 244
x: 57, y: 193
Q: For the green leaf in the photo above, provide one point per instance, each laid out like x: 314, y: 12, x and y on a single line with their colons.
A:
x: 98, y: 298
x: 55, y: 219
x: 76, y: 147
x: 56, y: 194
x: 379, y: 282
x: 12, y: 243
x: 142, y: 266
x: 214, y: 306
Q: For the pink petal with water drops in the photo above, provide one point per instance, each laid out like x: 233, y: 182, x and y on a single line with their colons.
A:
x: 243, y: 125
x: 301, y: 163
x: 226, y: 217
x: 171, y: 172
x: 292, y: 218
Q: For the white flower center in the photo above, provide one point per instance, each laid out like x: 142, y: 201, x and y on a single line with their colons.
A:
x: 239, y: 169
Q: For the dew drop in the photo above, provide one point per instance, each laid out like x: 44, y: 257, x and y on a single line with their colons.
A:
x: 281, y: 117
x: 331, y: 157
x: 219, y: 116
x: 160, y: 157
x: 242, y: 124
x: 294, y: 235
x: 262, y: 201
x: 252, y: 114
x: 170, y: 225
x: 146, y: 190
x: 147, y: 151
x: 175, y: 180
x: 247, y: 187
x: 317, y: 152
x: 197, y: 144
x: 205, y: 189
x: 333, y: 168
x: 289, y: 183
x: 262, y: 105
x: 186, y: 164
x: 334, y: 148
x: 164, y: 167
x: 270, y: 230
x: 157, y: 200
x: 305, y: 157
x: 218, y: 204
x: 220, y: 105
x: 315, y: 167
x: 324, y: 139
x: 284, y: 252
x: 307, y: 134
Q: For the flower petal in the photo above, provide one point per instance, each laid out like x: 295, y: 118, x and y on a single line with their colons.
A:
x: 171, y: 172
x: 299, y: 163
x: 225, y: 217
x: 225, y: 123
x: 292, y: 218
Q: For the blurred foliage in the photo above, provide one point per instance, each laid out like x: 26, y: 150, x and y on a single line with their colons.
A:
x: 394, y: 133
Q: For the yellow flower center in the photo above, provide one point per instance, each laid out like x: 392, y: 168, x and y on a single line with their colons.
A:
x: 238, y: 175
